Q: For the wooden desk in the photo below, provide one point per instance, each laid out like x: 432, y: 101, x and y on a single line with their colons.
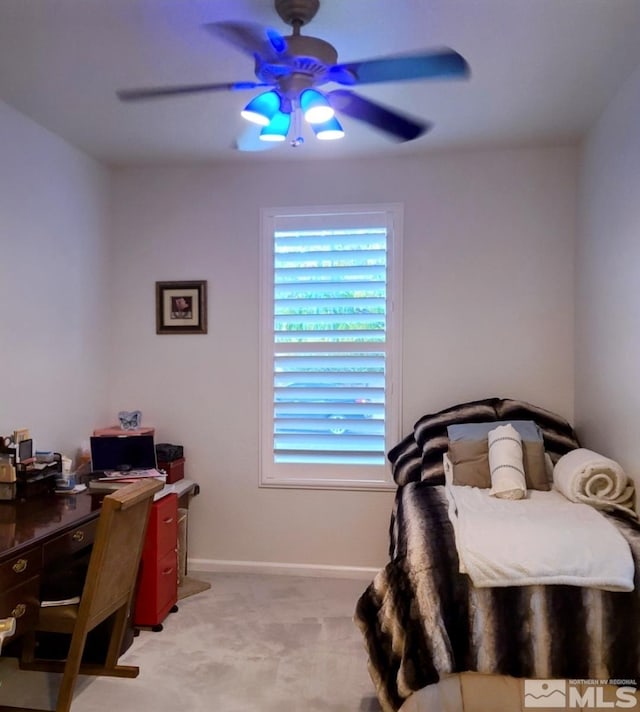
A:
x: 44, y: 535
x: 38, y: 536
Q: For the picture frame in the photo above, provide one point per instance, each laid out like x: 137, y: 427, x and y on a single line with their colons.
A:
x: 181, y: 307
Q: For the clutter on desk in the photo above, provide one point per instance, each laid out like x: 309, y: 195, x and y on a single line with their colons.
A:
x: 68, y: 482
x: 76, y: 489
x: 23, y: 474
x: 8, y: 461
x: 26, y: 473
x: 44, y: 457
x: 171, y: 460
x: 115, y: 480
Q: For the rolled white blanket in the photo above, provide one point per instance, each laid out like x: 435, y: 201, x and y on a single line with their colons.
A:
x: 583, y: 475
x: 506, y: 463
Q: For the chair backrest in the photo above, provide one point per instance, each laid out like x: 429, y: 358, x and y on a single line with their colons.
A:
x: 116, y: 553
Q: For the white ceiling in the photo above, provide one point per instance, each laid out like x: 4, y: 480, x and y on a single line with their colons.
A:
x: 541, y: 71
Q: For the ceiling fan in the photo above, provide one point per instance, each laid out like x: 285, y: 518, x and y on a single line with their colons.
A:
x: 291, y: 69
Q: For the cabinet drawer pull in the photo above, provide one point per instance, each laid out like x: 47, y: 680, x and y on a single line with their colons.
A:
x: 168, y: 571
x: 78, y: 536
x: 20, y: 566
x: 168, y: 520
x: 19, y: 610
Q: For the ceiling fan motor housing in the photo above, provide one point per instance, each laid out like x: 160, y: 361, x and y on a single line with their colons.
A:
x: 297, y: 12
x: 306, y: 65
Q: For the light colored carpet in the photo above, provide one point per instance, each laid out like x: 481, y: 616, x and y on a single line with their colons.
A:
x: 251, y: 643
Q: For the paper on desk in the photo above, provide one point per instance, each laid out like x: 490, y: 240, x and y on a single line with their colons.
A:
x: 73, y: 490
x: 115, y: 475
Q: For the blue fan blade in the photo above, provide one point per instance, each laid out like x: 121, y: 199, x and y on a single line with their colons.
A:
x: 161, y: 92
x: 257, y: 41
x: 426, y: 65
x: 389, y: 121
x: 278, y: 42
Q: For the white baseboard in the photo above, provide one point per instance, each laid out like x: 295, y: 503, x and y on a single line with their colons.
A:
x: 363, y: 573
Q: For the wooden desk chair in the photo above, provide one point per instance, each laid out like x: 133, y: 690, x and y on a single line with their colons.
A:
x: 108, y: 591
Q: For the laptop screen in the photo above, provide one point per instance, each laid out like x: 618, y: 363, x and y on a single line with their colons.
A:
x: 122, y: 452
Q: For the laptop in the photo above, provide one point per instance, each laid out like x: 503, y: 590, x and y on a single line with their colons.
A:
x: 123, y: 453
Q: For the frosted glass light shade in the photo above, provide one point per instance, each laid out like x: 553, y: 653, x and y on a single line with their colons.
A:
x: 329, y: 130
x: 315, y: 107
x: 277, y: 129
x: 262, y: 108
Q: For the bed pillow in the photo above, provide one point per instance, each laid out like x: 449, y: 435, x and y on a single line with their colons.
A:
x: 506, y: 462
x: 469, y: 463
x: 527, y: 429
x: 469, y: 453
x: 535, y: 465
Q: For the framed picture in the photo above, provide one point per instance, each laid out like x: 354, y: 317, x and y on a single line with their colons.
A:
x: 181, y: 307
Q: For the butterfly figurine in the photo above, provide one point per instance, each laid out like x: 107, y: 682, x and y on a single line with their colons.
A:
x: 130, y: 419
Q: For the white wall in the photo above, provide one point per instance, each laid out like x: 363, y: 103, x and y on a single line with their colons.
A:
x: 53, y: 277
x: 488, y: 297
x: 608, y: 294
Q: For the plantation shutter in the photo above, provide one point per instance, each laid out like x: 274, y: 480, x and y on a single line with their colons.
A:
x: 326, y: 409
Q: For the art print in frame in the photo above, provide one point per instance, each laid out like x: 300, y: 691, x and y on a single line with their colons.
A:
x: 181, y: 307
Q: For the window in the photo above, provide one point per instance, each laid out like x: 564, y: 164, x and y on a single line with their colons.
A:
x: 330, y: 346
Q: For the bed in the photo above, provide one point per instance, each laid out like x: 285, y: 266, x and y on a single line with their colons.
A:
x: 423, y: 621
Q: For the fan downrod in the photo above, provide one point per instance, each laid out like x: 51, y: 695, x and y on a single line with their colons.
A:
x: 297, y: 12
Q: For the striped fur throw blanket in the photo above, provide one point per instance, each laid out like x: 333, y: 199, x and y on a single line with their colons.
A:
x: 418, y: 457
x: 421, y: 618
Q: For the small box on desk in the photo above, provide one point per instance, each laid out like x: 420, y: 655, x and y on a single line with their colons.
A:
x: 174, y: 469
x: 116, y: 430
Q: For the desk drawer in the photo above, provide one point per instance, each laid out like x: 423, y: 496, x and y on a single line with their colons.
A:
x: 162, y: 532
x: 66, y: 545
x: 22, y: 602
x: 158, y: 589
x: 167, y: 582
x: 17, y: 570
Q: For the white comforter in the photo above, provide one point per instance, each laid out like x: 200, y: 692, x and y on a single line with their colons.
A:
x: 544, y: 539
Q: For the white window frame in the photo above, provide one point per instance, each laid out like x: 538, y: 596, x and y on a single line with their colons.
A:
x: 316, y: 476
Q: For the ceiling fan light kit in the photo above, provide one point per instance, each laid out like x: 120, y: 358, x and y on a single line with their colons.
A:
x: 315, y: 107
x: 290, y: 70
x: 277, y: 129
x: 329, y: 130
x: 262, y: 108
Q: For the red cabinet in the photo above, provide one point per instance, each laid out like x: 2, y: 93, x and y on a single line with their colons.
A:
x: 158, y: 582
